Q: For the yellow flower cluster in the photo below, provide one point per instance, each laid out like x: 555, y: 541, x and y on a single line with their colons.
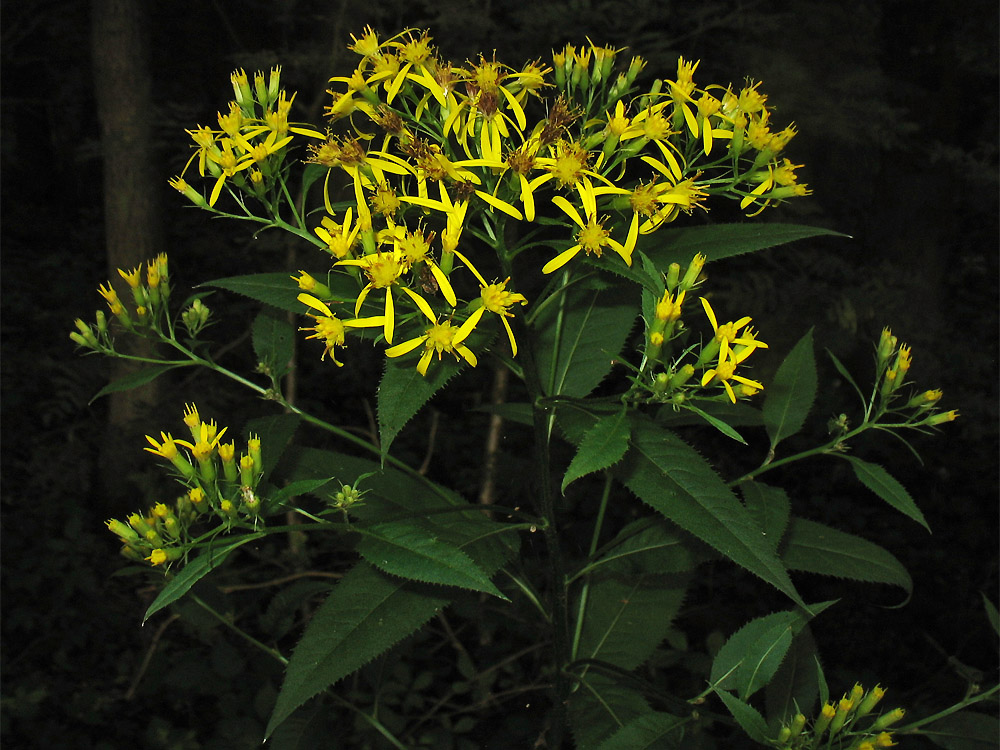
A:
x: 252, y: 138
x: 441, y: 159
x: 729, y: 347
x: 163, y: 534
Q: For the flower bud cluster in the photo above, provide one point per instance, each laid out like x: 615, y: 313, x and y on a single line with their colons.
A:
x: 216, y: 486
x: 150, y: 293
x: 892, y: 361
x: 838, y: 720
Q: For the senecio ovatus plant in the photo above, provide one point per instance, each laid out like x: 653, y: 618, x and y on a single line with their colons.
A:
x: 523, y: 216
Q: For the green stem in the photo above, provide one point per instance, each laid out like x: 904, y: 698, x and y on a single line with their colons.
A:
x: 542, y: 422
x: 965, y: 702
x: 241, y: 633
x: 375, y: 723
x: 585, y: 590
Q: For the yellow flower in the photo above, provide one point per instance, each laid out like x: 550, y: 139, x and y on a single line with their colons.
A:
x: 724, y: 372
x: 329, y: 328
x: 495, y: 299
x: 340, y: 239
x: 384, y: 270
x: 592, y: 237
x: 439, y: 338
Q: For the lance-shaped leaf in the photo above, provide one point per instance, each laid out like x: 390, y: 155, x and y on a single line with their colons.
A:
x: 280, y: 290
x: 602, y: 446
x: 669, y: 476
x: 211, y: 558
x: 679, y: 245
x: 814, y: 548
x: 752, y: 655
x: 405, y: 550
x: 788, y: 398
x: 404, y: 391
x: 365, y: 614
x: 746, y: 716
x: 136, y: 379
x: 883, y: 484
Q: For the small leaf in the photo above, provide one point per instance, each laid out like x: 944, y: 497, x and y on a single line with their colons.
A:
x: 300, y: 487
x: 405, y: 550
x: 746, y: 716
x: 788, y: 398
x: 815, y: 548
x: 646, y: 732
x: 136, y: 379
x: 404, y: 391
x: 273, y: 340
x: 883, y: 484
x: 847, y: 376
x: 991, y: 614
x: 602, y: 446
x: 194, y: 571
x: 718, y: 424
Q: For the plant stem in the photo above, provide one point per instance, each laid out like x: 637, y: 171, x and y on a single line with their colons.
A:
x: 585, y: 590
x: 241, y: 633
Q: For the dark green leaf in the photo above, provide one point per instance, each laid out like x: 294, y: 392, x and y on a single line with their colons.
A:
x: 788, y: 398
x: 280, y: 289
x: 273, y: 340
x: 210, y: 558
x: 602, y: 446
x: 717, y: 423
x: 883, y: 484
x: 365, y: 614
x: 670, y: 476
x: 746, y: 716
x: 815, y: 548
x: 647, y: 732
x: 404, y: 391
x: 627, y: 617
x: 769, y: 507
x: 405, y: 550
x: 718, y: 241
x: 580, y: 336
x: 136, y: 379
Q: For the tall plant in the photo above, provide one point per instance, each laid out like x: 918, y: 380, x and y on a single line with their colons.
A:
x: 520, y: 216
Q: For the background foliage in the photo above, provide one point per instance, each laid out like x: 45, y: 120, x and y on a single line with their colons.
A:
x: 897, y: 111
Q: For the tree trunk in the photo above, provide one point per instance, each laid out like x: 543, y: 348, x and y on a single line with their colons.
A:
x: 131, y: 188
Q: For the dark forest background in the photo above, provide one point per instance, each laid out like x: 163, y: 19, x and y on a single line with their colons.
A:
x: 896, y: 106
